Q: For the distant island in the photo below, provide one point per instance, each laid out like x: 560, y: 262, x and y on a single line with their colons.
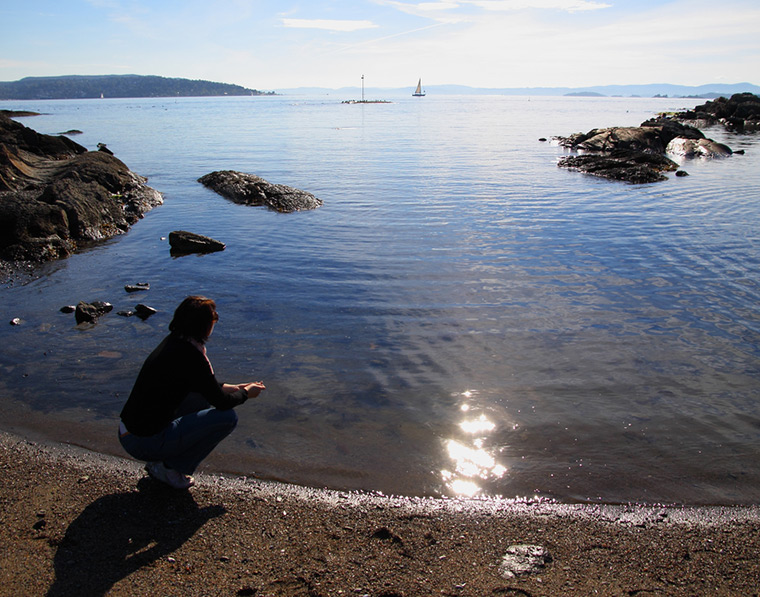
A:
x: 127, y: 86
x: 661, y: 90
x: 113, y: 86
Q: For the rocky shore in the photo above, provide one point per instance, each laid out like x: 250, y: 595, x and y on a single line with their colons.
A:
x: 56, y: 197
x: 637, y: 154
x: 739, y: 113
x: 80, y: 523
x: 641, y: 154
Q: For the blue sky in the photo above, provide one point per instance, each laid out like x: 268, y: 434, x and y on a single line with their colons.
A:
x: 271, y: 45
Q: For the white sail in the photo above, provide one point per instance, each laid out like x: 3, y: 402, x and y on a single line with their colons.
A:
x: 418, y: 92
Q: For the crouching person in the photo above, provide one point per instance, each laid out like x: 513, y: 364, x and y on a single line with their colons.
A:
x: 178, y: 412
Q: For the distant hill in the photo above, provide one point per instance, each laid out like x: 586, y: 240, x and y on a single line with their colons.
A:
x: 708, y: 91
x: 81, y: 87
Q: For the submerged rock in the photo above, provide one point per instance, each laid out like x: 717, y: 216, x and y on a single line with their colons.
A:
x: 183, y: 242
x: 249, y: 189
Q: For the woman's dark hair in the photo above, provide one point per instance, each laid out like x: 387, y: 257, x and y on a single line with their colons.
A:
x: 194, y: 317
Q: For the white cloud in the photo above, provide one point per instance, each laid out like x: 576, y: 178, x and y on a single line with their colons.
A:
x: 329, y: 25
x: 424, y: 6
x: 564, y: 5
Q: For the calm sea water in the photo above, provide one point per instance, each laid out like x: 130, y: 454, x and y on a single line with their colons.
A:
x: 461, y: 317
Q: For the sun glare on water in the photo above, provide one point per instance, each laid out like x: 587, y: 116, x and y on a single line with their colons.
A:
x: 471, y: 460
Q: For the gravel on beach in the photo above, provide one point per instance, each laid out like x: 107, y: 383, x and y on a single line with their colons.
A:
x: 79, y: 523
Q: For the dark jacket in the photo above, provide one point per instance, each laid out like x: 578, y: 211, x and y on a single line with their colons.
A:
x: 172, y: 371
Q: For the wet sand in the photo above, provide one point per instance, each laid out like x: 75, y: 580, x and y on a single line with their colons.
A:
x: 81, y: 523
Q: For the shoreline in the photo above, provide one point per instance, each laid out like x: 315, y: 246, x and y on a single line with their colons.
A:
x: 80, y: 522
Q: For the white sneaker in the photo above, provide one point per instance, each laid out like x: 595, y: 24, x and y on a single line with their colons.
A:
x: 173, y: 478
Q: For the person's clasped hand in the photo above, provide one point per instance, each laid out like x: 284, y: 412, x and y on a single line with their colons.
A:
x: 253, y: 389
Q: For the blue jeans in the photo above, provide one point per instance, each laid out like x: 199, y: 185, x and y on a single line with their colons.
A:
x: 185, y: 442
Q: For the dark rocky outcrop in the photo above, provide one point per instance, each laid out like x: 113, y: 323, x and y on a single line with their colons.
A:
x: 740, y: 112
x: 18, y: 113
x: 183, y: 242
x: 636, y: 167
x: 55, y: 196
x: 652, y: 136
x: 637, y: 154
x: 250, y: 189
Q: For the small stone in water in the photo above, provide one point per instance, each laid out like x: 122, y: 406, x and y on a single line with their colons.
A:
x: 15, y: 321
x: 89, y: 312
x: 137, y: 287
x: 144, y: 311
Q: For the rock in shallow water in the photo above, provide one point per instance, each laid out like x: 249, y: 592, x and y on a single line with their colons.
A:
x: 637, y: 154
x: 703, y: 148
x: 144, y: 311
x: 631, y: 166
x: 55, y: 196
x: 250, y: 189
x: 137, y: 287
x: 183, y: 242
x: 89, y: 312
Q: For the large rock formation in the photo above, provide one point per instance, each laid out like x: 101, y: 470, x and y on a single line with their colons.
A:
x: 637, y: 154
x: 250, y: 189
x: 740, y: 112
x: 652, y: 136
x: 55, y: 196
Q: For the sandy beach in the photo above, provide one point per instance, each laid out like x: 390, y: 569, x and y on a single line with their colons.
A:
x: 80, y: 523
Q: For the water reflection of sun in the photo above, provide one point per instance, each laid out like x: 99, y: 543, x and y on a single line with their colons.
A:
x: 472, y: 461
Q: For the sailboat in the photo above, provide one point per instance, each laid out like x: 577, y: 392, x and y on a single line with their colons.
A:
x: 418, y: 92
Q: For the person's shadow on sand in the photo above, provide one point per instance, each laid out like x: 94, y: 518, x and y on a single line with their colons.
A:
x: 120, y: 533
